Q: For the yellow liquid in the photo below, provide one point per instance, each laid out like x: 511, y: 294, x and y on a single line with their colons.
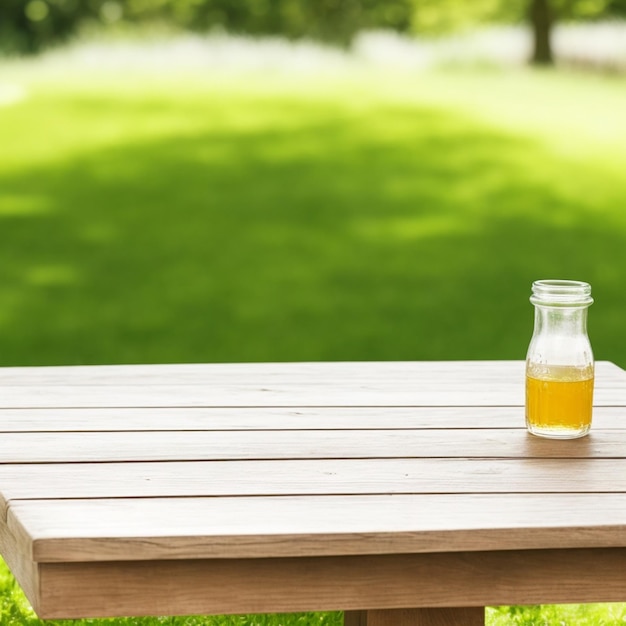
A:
x: 559, y: 407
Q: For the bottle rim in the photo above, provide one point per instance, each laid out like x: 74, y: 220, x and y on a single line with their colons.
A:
x: 558, y: 292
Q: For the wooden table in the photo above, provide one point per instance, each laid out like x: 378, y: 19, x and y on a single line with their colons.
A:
x: 402, y: 493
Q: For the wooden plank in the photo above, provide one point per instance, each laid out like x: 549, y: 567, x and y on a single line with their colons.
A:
x: 409, y: 384
x: 439, y: 372
x: 301, y: 444
x: 266, y: 373
x: 179, y: 528
x: 15, y: 550
x: 294, y: 396
x: 248, y: 395
x: 271, y: 418
x: 278, y: 418
x: 355, y: 618
x: 332, y: 583
x: 310, y: 477
x: 452, y: 616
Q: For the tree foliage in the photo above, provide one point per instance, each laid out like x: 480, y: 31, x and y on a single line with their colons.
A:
x: 30, y: 25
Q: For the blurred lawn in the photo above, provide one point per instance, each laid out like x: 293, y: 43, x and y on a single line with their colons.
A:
x: 363, y: 216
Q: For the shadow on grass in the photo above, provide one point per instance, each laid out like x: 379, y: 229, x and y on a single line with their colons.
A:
x: 316, y: 232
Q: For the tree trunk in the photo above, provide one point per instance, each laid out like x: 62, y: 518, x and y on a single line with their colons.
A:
x: 541, y: 19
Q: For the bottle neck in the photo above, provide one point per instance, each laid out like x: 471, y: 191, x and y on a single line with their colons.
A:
x: 561, y: 320
x: 560, y: 347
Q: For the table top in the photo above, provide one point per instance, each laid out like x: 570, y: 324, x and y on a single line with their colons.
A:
x: 230, y: 462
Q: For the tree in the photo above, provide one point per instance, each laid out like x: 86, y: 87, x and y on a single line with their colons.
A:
x: 541, y: 16
x: 28, y: 26
x: 544, y: 14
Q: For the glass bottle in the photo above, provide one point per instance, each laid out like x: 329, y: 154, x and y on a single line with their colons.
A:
x: 559, y: 363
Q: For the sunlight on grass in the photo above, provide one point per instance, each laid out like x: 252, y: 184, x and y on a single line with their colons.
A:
x: 51, y: 275
x: 11, y: 94
x: 570, y: 121
x: 22, y: 205
x: 557, y: 615
x: 254, y: 207
x: 411, y: 228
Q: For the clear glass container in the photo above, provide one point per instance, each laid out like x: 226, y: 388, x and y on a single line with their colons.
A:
x: 559, y: 363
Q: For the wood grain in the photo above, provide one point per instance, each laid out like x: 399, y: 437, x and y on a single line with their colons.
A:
x: 468, y: 372
x: 16, y: 553
x: 453, y: 616
x: 315, y: 384
x: 224, y: 395
x: 209, y: 419
x: 127, y: 419
x: 269, y: 373
x: 178, y: 528
x: 365, y: 487
x: 332, y: 583
x: 311, y: 477
x: 355, y: 618
x: 72, y: 447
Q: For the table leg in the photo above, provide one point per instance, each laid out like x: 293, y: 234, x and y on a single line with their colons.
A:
x: 355, y: 618
x: 453, y: 616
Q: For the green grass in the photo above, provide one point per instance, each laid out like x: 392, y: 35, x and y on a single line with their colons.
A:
x: 211, y: 218
x: 558, y: 615
x: 214, y: 219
